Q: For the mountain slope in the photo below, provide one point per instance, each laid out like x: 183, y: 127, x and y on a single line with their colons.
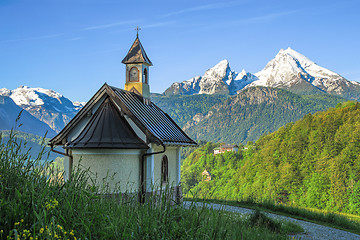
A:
x: 184, y: 108
x: 46, y: 105
x: 9, y: 112
x: 314, y: 162
x: 34, y: 144
x: 253, y: 112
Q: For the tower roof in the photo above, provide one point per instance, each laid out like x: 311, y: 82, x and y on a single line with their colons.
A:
x: 136, y: 54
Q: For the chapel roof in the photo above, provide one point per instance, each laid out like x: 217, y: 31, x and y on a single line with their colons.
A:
x: 137, y: 54
x: 158, y: 126
x: 107, y: 128
x: 153, y: 119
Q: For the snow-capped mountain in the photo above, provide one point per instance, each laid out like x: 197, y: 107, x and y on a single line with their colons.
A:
x: 9, y: 112
x: 217, y: 80
x: 289, y: 70
x: 46, y: 105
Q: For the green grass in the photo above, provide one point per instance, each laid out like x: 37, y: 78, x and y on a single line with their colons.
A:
x: 36, y: 204
x: 259, y: 219
x: 346, y: 222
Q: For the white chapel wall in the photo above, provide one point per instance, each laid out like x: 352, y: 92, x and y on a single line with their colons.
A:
x: 123, y: 163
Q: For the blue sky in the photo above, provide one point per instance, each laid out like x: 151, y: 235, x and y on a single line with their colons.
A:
x: 74, y: 46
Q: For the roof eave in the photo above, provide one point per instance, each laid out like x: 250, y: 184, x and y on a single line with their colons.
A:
x: 58, y: 140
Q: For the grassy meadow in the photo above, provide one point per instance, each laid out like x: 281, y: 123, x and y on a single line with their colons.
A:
x: 35, y: 203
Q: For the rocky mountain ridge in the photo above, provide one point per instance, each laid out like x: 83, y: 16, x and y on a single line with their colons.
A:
x: 288, y: 70
x: 46, y: 105
x: 9, y: 119
x: 217, y: 80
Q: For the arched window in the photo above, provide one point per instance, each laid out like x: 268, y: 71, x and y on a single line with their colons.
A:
x: 145, y: 76
x: 164, y: 169
x: 134, y: 74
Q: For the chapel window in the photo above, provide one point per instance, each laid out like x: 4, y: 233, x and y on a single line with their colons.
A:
x: 164, y: 169
x: 145, y: 76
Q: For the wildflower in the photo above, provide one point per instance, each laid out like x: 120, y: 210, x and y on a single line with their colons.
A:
x: 41, y: 230
x: 52, y: 204
x: 22, y: 220
x: 17, y: 223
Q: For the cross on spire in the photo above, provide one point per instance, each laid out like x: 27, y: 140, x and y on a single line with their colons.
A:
x: 137, y: 30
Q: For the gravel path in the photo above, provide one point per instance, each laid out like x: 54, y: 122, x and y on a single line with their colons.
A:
x: 312, y: 231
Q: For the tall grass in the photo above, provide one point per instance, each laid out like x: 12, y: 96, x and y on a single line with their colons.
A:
x: 35, y: 203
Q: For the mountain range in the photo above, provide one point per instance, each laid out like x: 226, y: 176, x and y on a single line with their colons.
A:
x: 43, y: 110
x: 222, y: 105
x: 289, y: 70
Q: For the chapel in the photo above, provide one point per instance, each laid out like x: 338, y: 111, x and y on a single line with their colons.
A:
x: 121, y: 136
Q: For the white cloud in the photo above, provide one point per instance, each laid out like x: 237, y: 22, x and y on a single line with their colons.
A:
x: 33, y: 38
x: 110, y: 25
x: 204, y: 7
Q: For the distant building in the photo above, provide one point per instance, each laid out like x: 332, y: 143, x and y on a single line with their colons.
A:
x: 226, y: 148
x: 206, y: 175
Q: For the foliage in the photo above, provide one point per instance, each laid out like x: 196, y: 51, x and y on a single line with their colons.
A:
x: 35, y: 203
x: 243, y: 117
x: 257, y: 111
x: 314, y: 162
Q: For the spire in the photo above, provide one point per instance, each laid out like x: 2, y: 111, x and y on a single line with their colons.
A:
x: 137, y: 53
x: 137, y: 31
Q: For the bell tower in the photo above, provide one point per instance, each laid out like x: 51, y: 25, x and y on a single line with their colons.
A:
x: 137, y: 69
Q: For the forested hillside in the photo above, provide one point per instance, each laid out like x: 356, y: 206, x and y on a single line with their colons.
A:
x: 32, y: 143
x: 183, y: 108
x: 243, y: 117
x: 314, y: 162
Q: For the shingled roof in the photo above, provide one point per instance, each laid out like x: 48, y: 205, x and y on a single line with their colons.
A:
x: 136, y: 54
x: 155, y: 124
x: 153, y: 119
x: 108, y: 129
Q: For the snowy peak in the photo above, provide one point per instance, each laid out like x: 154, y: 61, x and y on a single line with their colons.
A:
x: 290, y: 60
x: 27, y: 98
x: 219, y: 71
x: 46, y: 105
x: 304, y: 61
x: 24, y: 95
x: 292, y: 70
x: 219, y: 79
x: 289, y: 69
